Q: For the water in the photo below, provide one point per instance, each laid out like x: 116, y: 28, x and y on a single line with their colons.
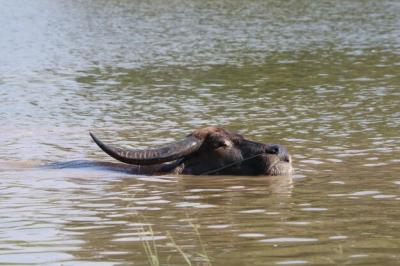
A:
x: 320, y: 77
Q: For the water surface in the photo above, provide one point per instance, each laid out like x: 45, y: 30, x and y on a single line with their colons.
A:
x: 317, y: 76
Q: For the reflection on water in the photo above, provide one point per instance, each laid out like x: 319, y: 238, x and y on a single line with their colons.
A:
x: 82, y: 216
x: 316, y: 76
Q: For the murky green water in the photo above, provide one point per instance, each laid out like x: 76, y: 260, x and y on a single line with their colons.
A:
x: 321, y: 77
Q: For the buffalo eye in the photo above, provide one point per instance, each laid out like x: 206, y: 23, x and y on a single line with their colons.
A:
x: 221, y: 143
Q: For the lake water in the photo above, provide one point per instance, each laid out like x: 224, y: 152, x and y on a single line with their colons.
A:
x: 320, y: 77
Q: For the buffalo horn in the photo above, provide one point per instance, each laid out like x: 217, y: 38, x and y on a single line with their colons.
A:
x: 162, y: 154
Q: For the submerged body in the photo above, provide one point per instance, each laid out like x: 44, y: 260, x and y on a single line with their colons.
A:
x: 206, y: 151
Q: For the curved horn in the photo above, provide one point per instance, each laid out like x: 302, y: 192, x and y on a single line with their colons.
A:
x: 162, y: 154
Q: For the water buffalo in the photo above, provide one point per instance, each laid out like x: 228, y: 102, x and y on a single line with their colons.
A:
x: 206, y: 151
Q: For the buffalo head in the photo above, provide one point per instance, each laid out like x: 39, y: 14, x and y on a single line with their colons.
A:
x: 209, y: 151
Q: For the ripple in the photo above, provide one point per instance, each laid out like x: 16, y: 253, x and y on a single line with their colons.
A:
x: 313, y: 161
x: 34, y: 257
x: 364, y: 193
x: 374, y: 164
x: 288, y: 240
x: 117, y: 222
x: 314, y: 209
x: 219, y: 226
x: 297, y: 223
x: 384, y: 196
x: 160, y: 201
x: 337, y: 195
x: 291, y: 262
x: 337, y: 237
x: 358, y: 256
x: 236, y: 187
x: 194, y: 205
x: 334, y: 160
x: 251, y: 235
x: 253, y: 211
x: 192, y: 197
x: 85, y: 219
x: 139, y: 238
x: 337, y: 182
x: 199, y: 190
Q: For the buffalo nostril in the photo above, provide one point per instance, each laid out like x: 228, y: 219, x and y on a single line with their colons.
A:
x: 272, y: 149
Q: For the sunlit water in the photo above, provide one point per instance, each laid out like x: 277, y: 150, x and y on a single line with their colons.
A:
x: 320, y: 77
